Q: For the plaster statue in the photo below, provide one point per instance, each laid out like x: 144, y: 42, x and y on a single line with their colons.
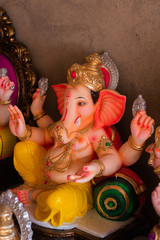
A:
x: 84, y: 143
x: 154, y: 161
x: 7, y: 140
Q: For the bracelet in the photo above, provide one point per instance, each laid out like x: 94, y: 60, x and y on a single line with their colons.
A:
x: 28, y: 134
x: 39, y: 115
x: 30, y: 196
x: 5, y: 102
x: 101, y: 166
x: 134, y: 145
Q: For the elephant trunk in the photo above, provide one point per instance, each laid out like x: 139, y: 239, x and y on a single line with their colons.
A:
x: 66, y: 129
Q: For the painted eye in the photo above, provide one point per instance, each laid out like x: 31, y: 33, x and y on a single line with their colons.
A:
x: 81, y: 103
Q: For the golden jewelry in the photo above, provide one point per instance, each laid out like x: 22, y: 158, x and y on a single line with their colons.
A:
x: 49, y: 163
x: 27, y: 135
x: 104, y: 144
x: 134, y: 145
x: 39, y: 115
x: 88, y: 74
x: 50, y: 130
x: 5, y: 102
x: 58, y: 127
x: 157, y: 170
x: 101, y: 166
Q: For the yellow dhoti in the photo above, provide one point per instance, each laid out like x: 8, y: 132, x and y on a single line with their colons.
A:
x: 59, y: 204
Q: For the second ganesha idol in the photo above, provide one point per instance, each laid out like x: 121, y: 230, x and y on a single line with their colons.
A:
x: 84, y: 144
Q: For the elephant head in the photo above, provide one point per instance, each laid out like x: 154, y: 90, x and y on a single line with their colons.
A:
x: 84, y: 101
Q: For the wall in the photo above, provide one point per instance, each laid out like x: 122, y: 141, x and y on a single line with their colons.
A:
x: 59, y: 33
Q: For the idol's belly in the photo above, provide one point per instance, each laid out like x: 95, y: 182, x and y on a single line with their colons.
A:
x: 60, y: 162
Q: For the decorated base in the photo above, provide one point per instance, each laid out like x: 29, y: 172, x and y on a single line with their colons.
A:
x: 91, y: 226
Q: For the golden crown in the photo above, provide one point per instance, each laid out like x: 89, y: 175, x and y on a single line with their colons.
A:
x: 88, y: 74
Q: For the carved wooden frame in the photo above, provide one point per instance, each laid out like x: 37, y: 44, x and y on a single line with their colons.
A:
x: 19, y: 57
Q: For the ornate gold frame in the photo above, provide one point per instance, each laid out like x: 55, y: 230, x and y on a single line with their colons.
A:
x: 19, y: 56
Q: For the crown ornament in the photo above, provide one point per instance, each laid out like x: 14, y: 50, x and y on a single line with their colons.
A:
x: 97, y: 73
x: 88, y: 74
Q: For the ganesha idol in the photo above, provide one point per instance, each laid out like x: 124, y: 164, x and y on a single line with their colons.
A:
x: 84, y: 144
x: 7, y: 139
x: 154, y: 161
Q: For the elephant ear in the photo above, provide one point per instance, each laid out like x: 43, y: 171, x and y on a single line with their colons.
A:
x: 60, y: 93
x: 110, y: 108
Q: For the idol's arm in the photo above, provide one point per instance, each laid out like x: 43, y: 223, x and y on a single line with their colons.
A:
x: 141, y: 128
x: 24, y: 132
x: 42, y: 119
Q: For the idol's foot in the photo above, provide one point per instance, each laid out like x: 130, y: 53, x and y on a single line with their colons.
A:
x: 19, y: 188
x: 25, y: 196
x: 28, y: 196
x: 156, y: 199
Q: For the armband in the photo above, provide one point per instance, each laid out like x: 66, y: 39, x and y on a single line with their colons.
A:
x: 104, y: 144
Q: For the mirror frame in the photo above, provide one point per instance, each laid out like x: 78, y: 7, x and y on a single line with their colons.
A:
x: 19, y: 56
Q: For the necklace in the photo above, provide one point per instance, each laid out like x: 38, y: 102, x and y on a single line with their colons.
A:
x: 49, y: 164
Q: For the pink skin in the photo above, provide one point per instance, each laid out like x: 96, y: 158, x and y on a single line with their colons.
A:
x: 156, y: 199
x: 17, y: 122
x: 23, y: 196
x: 37, y: 103
x: 156, y: 154
x: 141, y: 127
x: 5, y: 95
x: 5, y: 88
x: 78, y: 105
x: 68, y: 95
x: 93, y: 138
x: 140, y: 132
x: 85, y: 174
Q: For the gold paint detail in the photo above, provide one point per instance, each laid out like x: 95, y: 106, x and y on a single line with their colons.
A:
x: 119, y: 189
x: 157, y: 145
x: 19, y: 57
x: 58, y: 128
x: 138, y: 189
x: 156, y: 231
x: 110, y: 200
x: 49, y: 163
x: 134, y: 145
x: 39, y: 115
x: 88, y: 74
x: 7, y: 229
x: 113, y: 133
x: 5, y: 102
x: 27, y: 135
x: 104, y: 144
x: 157, y: 170
x: 50, y: 130
x: 101, y: 167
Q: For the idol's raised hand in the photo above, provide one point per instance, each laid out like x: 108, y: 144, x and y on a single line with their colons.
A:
x: 16, y: 122
x: 141, y: 127
x: 37, y: 102
x: 6, y: 88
